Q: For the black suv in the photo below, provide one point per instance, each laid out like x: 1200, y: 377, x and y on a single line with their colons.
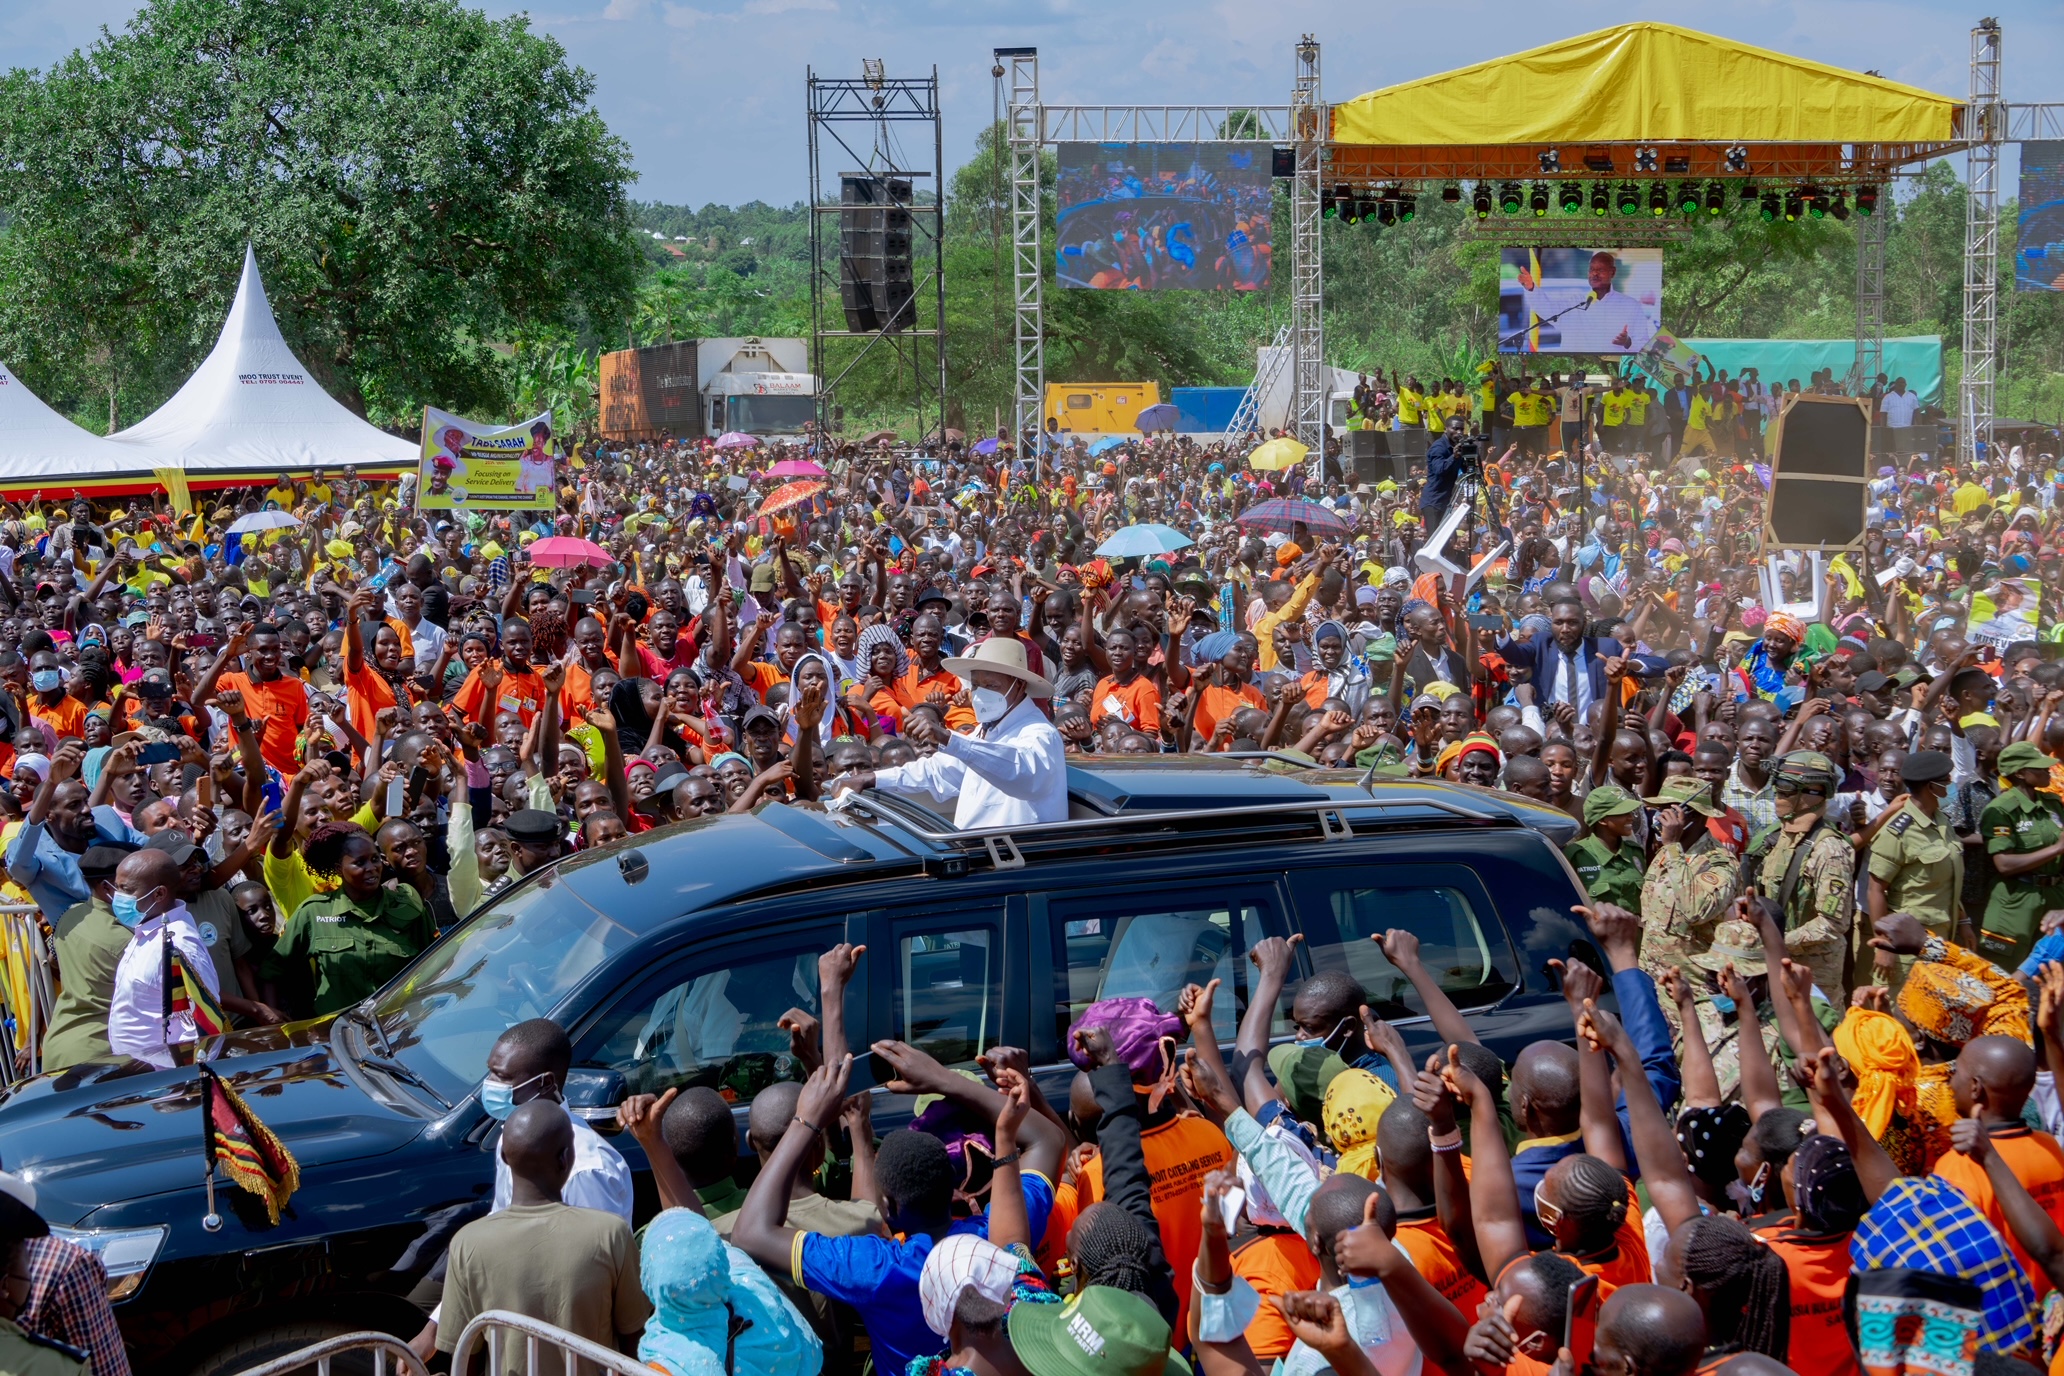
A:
x: 671, y: 961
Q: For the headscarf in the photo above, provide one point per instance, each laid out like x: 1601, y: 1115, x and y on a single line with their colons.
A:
x: 1142, y: 1036
x: 957, y: 1264
x: 1826, y: 1190
x: 1354, y: 1104
x: 35, y: 763
x: 697, y: 1282
x: 1943, y: 1001
x: 876, y: 635
x: 1881, y: 1053
x: 1787, y: 625
x: 1710, y: 1136
x: 827, y: 729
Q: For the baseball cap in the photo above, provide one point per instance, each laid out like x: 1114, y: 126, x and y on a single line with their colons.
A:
x: 960, y: 1263
x: 1872, y: 682
x: 1103, y: 1331
x: 1686, y: 790
x: 1608, y: 800
x: 174, y: 843
x: 2024, y: 755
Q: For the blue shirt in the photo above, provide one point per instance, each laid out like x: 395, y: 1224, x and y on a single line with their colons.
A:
x: 1642, y: 1016
x: 50, y: 872
x: 2047, y: 949
x: 878, y: 1276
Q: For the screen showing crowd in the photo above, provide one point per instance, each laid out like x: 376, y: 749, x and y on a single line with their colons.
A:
x: 1164, y: 216
x: 1579, y: 300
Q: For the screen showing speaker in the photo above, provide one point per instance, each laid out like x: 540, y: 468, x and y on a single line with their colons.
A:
x: 1578, y: 300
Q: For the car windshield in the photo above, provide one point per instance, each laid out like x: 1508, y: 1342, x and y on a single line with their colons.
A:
x: 515, y: 959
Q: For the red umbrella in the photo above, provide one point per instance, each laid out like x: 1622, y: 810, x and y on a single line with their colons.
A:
x: 567, y: 551
x: 791, y: 494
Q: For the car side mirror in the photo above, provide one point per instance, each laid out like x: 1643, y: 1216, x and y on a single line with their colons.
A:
x: 594, y: 1095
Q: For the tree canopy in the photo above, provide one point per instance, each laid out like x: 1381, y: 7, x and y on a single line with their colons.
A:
x: 420, y: 182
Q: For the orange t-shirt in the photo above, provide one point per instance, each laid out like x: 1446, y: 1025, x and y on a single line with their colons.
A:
x: 67, y: 716
x: 369, y: 694
x: 1819, y: 1264
x: 1179, y: 1152
x: 912, y: 688
x: 2037, y: 1162
x: 1628, y: 1264
x: 1219, y: 703
x: 1435, y: 1257
x: 520, y: 693
x: 1277, y: 1262
x: 760, y: 676
x: 1137, y: 704
x: 281, y: 709
x: 1315, y: 684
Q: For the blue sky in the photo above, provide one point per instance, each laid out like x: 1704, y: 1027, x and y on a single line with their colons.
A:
x: 709, y: 93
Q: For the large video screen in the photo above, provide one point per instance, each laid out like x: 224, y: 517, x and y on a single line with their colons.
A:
x: 1164, y: 216
x: 2039, y: 245
x: 1579, y: 300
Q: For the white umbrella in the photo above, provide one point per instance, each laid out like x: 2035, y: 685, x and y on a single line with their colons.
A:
x: 263, y: 520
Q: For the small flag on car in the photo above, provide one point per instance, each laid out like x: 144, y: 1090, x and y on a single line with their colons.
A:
x: 250, y: 1153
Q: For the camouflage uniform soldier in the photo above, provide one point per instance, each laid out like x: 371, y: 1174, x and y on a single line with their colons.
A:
x: 1691, y: 882
x: 1810, y: 872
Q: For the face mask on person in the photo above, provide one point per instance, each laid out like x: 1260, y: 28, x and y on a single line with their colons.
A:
x: 500, y: 1099
x: 128, y: 908
x: 47, y: 680
x: 990, y: 706
x: 1330, y: 1041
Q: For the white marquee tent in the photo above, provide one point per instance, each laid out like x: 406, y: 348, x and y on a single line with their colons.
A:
x: 37, y: 445
x: 252, y: 408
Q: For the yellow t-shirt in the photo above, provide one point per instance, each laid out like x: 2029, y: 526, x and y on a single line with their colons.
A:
x: 1487, y: 400
x: 1637, y: 409
x: 1529, y: 409
x: 1614, y: 406
x: 1408, y: 404
x: 319, y: 492
x: 1702, y: 414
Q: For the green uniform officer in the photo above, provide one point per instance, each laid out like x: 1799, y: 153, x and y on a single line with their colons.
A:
x: 1607, y: 861
x: 359, y: 936
x: 1810, y: 870
x: 89, y: 947
x: 1917, y: 862
x: 2024, y: 834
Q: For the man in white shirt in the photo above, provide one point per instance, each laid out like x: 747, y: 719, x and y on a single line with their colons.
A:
x: 1899, y: 405
x: 141, y: 1020
x: 1612, y: 321
x: 1013, y: 773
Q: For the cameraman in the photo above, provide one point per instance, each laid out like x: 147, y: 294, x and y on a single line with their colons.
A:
x: 1450, y: 458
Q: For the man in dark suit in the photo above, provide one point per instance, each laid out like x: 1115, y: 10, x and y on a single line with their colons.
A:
x: 1434, y: 659
x: 1563, y: 664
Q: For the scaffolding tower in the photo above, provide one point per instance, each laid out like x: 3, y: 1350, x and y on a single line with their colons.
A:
x: 883, y: 104
x: 1309, y: 130
x: 1985, y: 128
x: 1017, y: 73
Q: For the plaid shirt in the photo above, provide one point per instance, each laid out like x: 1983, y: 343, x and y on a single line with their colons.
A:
x: 1923, y: 1224
x: 68, y: 1301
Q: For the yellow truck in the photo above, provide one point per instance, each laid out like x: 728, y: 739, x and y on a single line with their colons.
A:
x: 1097, y: 408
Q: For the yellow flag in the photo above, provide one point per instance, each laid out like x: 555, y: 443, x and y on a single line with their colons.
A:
x: 174, y: 482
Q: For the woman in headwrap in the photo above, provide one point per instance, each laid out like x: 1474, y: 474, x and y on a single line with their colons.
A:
x: 883, y: 662
x: 845, y: 714
x: 1354, y: 1105
x: 1769, y: 660
x: 701, y: 1287
x: 1878, y: 1048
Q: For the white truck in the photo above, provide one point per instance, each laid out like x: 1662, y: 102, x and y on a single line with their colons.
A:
x: 759, y: 386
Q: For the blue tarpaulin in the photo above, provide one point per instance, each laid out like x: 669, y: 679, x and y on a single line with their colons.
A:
x: 1917, y: 358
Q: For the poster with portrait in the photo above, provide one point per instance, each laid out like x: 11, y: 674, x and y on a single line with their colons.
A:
x: 469, y: 465
x: 2005, y: 612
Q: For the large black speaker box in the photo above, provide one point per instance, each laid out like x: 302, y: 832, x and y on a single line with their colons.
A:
x: 1819, y: 474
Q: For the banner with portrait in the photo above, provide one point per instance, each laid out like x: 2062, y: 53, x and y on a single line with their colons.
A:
x: 2005, y: 612
x: 469, y: 465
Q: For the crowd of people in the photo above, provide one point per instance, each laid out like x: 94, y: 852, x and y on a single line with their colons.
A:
x: 247, y: 777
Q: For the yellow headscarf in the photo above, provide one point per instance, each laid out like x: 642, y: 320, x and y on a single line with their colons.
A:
x: 1881, y: 1053
x: 1355, y: 1102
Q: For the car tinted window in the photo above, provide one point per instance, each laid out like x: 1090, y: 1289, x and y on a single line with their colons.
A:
x: 949, y: 985
x: 715, y: 1019
x: 1461, y: 940
x: 1150, y: 944
x: 518, y: 958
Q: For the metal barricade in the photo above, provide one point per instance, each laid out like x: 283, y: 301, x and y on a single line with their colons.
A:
x: 498, y: 1328
x: 28, y: 989
x: 382, y: 1346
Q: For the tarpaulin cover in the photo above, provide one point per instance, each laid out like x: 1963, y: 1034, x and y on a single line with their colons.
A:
x: 1646, y: 81
x: 1917, y: 358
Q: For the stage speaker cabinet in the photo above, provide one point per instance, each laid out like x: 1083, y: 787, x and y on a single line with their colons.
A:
x: 1819, y: 474
x: 875, y: 278
x: 1375, y: 456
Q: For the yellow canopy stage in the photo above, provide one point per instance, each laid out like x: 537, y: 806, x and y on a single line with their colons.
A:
x: 1595, y: 100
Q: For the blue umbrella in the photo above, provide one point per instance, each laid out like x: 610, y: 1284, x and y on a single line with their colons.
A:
x: 1106, y: 444
x: 1160, y: 417
x: 1141, y: 540
x: 987, y: 446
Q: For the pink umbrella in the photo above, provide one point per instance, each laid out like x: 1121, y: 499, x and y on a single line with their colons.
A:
x: 737, y: 439
x: 796, y: 468
x: 567, y: 551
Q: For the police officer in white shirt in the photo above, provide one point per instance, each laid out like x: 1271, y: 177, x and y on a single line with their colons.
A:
x: 1014, y: 772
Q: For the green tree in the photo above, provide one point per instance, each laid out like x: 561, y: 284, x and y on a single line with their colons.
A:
x: 418, y: 180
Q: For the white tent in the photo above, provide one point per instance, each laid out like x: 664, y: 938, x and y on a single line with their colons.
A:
x: 252, y: 408
x: 38, y: 445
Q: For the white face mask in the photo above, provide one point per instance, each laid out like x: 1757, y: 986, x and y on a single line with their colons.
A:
x: 990, y: 705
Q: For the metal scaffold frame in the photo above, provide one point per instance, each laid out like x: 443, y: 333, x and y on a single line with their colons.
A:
x: 1017, y: 70
x: 881, y: 102
x: 1310, y: 130
x: 1870, y: 292
x: 1985, y: 126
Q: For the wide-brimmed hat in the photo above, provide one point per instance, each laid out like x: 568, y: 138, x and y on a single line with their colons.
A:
x: 999, y: 655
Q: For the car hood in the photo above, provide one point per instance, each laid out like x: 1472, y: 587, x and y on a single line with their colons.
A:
x: 96, y: 1133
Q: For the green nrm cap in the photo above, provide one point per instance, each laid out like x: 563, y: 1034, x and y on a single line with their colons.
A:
x: 1608, y: 800
x: 1808, y: 769
x: 1103, y: 1331
x: 1686, y: 790
x: 2024, y: 755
